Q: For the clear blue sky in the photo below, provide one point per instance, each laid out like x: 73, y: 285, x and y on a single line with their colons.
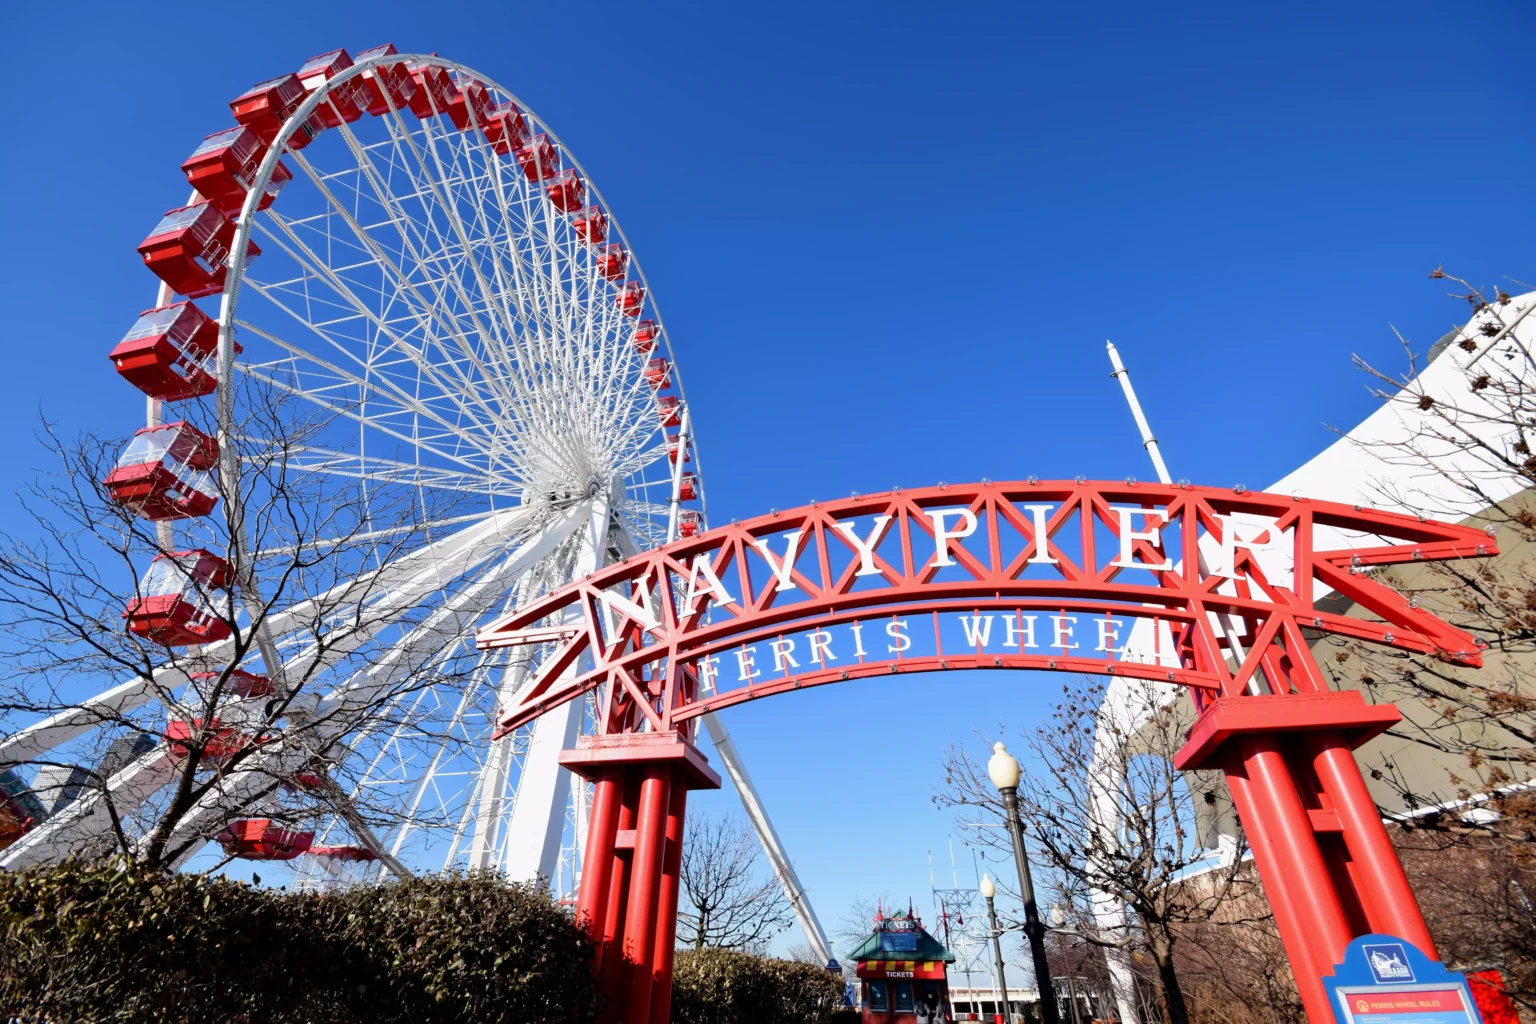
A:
x: 890, y: 240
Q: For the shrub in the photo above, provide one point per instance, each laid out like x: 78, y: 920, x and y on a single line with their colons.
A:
x: 105, y: 942
x: 472, y: 948
x: 721, y: 986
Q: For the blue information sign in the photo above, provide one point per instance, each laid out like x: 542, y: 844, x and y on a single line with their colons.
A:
x: 1386, y: 980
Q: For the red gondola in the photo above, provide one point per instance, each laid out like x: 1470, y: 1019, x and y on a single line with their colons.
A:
x: 674, y: 444
x: 345, y: 103
x: 164, y: 473
x: 220, y: 740
x: 646, y: 333
x: 670, y: 410
x: 657, y: 372
x: 471, y: 107
x: 688, y: 522
x: 506, y: 129
x: 612, y: 261
x: 632, y: 298
x: 688, y: 487
x: 434, y: 91
x: 175, y: 608
x: 169, y: 353
x: 237, y: 683
x: 188, y: 249
x: 306, y: 782
x: 20, y: 809
x: 591, y: 225
x: 567, y: 191
x: 539, y: 159
x: 385, y: 79
x: 241, y: 710
x: 223, y: 167
x: 266, y: 105
x: 264, y: 839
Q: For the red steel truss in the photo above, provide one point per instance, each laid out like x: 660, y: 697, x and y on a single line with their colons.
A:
x: 1220, y: 590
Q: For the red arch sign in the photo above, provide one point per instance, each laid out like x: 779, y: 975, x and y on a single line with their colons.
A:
x: 1218, y: 590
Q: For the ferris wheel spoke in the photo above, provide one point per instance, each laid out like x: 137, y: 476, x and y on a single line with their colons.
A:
x: 344, y: 707
x: 407, y: 408
x: 437, y: 302
x: 450, y: 210
x: 410, y: 822
x: 371, y: 776
x: 458, y: 251
x: 517, y: 293
x: 308, y: 260
x: 379, y: 470
x: 322, y: 543
x: 414, y: 244
x: 392, y: 746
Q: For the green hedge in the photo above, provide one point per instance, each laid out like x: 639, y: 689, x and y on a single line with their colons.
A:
x: 720, y: 986
x: 92, y: 942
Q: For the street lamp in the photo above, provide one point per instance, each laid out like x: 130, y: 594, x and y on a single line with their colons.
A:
x: 1003, y: 768
x: 988, y: 891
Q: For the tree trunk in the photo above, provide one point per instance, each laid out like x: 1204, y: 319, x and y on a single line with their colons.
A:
x: 1161, y: 945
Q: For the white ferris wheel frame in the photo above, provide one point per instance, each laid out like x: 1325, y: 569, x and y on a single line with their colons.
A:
x: 77, y: 824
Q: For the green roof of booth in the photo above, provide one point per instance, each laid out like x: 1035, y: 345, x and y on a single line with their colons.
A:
x: 900, y: 937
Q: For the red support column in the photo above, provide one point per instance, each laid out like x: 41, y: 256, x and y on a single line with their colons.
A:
x: 610, y: 962
x: 1318, y: 932
x: 640, y: 922
x: 1278, y: 751
x: 652, y: 773
x: 666, y: 901
x: 1384, y: 890
x: 597, y: 864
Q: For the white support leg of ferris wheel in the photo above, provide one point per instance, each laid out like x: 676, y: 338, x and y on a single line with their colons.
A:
x: 498, y: 765
x: 403, y: 583
x: 85, y: 826
x: 778, y: 858
x: 88, y: 818
x: 423, y: 642
x: 544, y: 788
x: 1107, y: 782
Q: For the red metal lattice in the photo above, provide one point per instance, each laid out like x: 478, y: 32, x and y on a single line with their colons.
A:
x: 646, y: 628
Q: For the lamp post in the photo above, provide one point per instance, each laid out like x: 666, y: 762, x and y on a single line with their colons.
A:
x: 1003, y: 768
x: 988, y: 891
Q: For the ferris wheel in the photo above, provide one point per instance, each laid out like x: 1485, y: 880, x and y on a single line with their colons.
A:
x: 403, y: 373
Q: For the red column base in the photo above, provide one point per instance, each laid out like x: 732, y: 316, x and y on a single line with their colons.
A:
x: 1226, y: 718
x: 1327, y: 864
x: 629, y: 884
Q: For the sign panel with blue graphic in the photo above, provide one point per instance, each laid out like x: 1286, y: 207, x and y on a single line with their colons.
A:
x: 1386, y: 980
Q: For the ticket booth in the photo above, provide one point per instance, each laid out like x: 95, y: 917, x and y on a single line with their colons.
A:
x: 903, y: 973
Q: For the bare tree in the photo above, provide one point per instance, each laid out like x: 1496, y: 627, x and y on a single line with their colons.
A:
x: 149, y: 746
x: 729, y: 901
x: 1234, y: 968
x: 1149, y: 862
x: 1463, y: 450
x: 1477, y: 887
x: 858, y: 921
